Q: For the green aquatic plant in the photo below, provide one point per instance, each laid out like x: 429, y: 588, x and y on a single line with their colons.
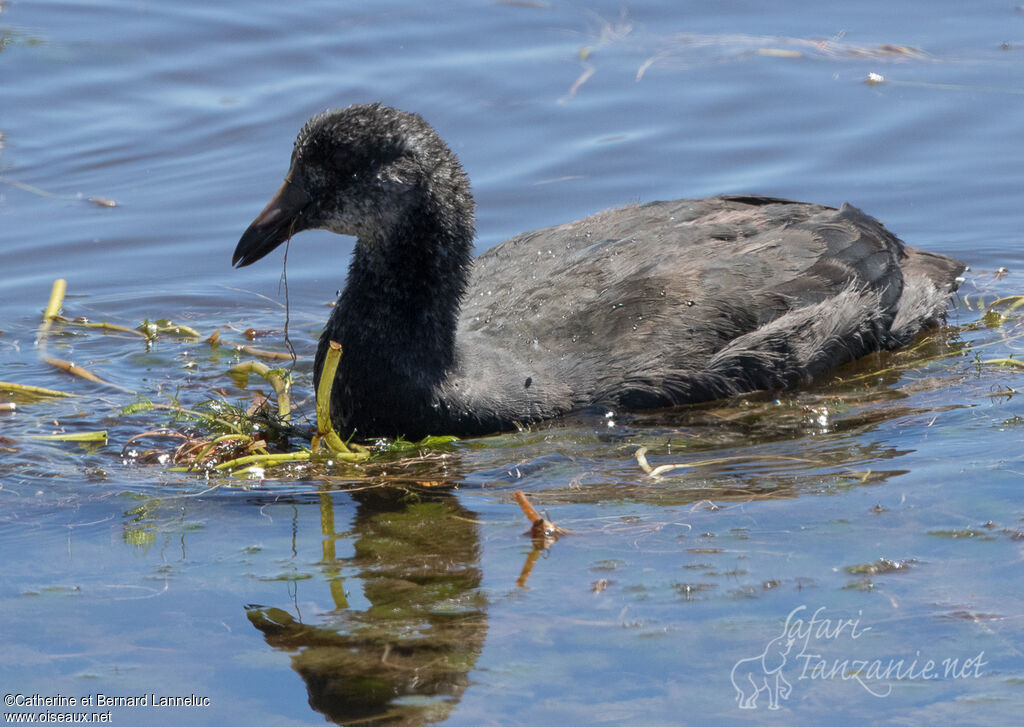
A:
x: 325, y: 434
x: 100, y: 436
x: 32, y: 393
x: 280, y: 379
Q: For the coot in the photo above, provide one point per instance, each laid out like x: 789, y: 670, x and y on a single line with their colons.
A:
x: 643, y: 306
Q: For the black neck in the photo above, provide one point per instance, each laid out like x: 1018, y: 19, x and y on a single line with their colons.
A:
x: 397, y: 317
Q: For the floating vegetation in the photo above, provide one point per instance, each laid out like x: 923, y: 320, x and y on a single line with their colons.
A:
x: 1009, y: 362
x: 882, y: 565
x: 541, y: 529
x: 103, y: 326
x: 31, y: 392
x: 215, y: 416
x: 325, y: 435
x: 656, y: 472
x: 214, y: 436
x: 49, y: 316
x: 1010, y: 303
x: 32, y: 189
x: 689, y: 50
x: 73, y: 437
x: 543, y: 532
x: 988, y: 531
x: 280, y: 379
x: 963, y: 534
x: 152, y: 329
x: 690, y: 591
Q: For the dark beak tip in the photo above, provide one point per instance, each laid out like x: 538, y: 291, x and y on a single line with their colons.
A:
x: 276, y: 223
x: 245, y: 252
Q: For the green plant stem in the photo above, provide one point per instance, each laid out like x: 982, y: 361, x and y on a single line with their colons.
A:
x: 281, y: 384
x: 26, y: 390
x: 324, y: 426
x: 100, y: 436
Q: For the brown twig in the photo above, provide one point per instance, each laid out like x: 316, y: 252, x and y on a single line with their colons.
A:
x: 541, y: 528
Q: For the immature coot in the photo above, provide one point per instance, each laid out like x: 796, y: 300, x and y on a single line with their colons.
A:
x: 643, y: 306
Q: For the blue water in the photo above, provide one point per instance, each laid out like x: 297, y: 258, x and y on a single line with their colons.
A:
x: 123, y: 578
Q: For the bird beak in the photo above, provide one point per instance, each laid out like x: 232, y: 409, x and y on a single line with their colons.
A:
x: 280, y: 219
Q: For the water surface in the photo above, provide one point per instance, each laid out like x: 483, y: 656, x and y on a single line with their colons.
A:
x: 880, y: 512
